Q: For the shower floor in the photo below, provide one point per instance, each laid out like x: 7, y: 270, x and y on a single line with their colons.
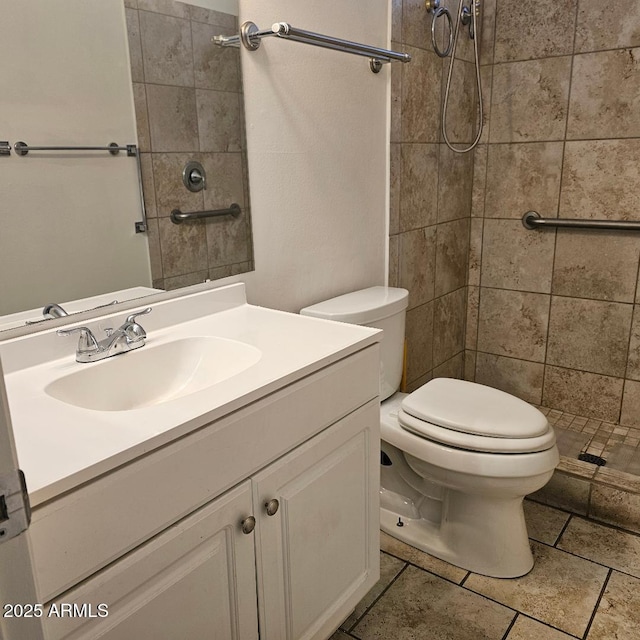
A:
x: 619, y: 446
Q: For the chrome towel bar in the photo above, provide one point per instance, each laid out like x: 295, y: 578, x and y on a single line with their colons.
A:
x: 533, y: 220
x: 250, y: 36
x: 22, y: 149
x: 178, y: 217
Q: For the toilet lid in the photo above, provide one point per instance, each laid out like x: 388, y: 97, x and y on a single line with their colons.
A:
x: 470, y: 442
x: 474, y: 409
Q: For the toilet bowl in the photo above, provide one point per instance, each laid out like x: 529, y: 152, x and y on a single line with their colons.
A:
x: 457, y: 458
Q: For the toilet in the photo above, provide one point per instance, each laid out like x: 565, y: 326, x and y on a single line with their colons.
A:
x: 457, y: 458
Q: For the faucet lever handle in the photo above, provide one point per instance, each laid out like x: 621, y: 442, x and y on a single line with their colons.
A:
x: 132, y: 318
x: 87, y: 341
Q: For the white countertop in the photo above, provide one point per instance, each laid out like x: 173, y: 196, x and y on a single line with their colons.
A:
x: 61, y: 446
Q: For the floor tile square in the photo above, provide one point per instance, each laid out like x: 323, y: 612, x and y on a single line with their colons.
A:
x: 528, y: 629
x: 561, y: 590
x: 617, y: 614
x: 421, y: 559
x: 419, y: 605
x: 544, y: 523
x: 390, y: 567
x: 612, y: 547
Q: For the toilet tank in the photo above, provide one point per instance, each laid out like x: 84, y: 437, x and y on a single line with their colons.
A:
x: 379, y: 307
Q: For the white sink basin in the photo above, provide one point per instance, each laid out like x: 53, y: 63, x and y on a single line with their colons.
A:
x: 152, y: 374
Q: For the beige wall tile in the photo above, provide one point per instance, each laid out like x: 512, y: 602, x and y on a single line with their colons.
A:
x: 479, y: 180
x: 219, y: 116
x: 601, y: 180
x: 418, y: 382
x: 529, y: 100
x: 142, y: 118
x: 167, y: 49
x: 227, y: 240
x: 464, y: 50
x: 419, y: 332
x: 394, y: 261
x: 616, y: 507
x: 589, y: 335
x: 517, y: 377
x: 630, y: 415
x: 618, y: 26
x: 225, y: 182
x: 395, y: 164
x: 603, y: 267
x: 214, y: 67
x: 168, y: 7
x: 416, y: 24
x: 452, y: 368
x: 418, y: 192
x: 461, y: 121
x: 475, y: 251
x: 605, y: 95
x: 210, y: 16
x: 448, y: 325
x: 565, y: 492
x: 183, y: 246
x: 521, y: 177
x: 185, y: 280
x: 148, y: 185
x: 473, y: 308
x: 486, y: 83
x: 452, y: 254
x: 470, y: 366
x: 487, y: 37
x: 558, y: 582
x: 582, y: 393
x: 421, y: 90
x: 170, y: 190
x: 135, y: 45
x: 417, y: 264
x: 617, y: 613
x: 539, y: 30
x: 131, y: 4
x: 396, y: 100
x: 633, y: 360
x: 173, y: 118
x: 513, y: 323
x: 396, y: 20
x: 516, y: 258
x: 455, y: 182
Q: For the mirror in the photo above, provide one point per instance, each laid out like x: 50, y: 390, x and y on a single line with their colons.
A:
x: 92, y: 72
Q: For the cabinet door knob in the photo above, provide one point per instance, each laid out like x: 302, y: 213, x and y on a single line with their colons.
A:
x: 248, y: 524
x: 272, y: 507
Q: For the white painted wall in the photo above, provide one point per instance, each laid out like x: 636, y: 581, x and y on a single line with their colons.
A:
x: 66, y: 84
x: 317, y: 140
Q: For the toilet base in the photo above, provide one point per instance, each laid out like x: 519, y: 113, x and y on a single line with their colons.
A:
x: 478, y: 542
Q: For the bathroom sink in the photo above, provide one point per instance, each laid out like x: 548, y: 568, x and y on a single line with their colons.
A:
x: 154, y: 374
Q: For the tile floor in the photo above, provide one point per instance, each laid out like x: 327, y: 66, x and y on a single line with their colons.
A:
x: 617, y: 444
x: 585, y: 584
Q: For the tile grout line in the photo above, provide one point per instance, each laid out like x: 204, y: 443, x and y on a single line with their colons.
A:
x: 511, y: 625
x: 597, y: 605
x: 564, y: 528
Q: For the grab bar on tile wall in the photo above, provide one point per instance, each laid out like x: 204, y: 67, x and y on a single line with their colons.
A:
x: 22, y: 149
x: 250, y: 36
x: 533, y: 220
x: 178, y: 217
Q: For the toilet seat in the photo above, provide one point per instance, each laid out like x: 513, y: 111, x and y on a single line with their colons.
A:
x: 474, y: 417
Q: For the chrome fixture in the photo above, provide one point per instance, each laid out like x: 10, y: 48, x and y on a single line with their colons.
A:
x: 22, y: 149
x: 178, y: 217
x: 250, y: 36
x: 194, y: 176
x: 54, y: 310
x: 5, y: 148
x: 465, y: 16
x: 128, y: 337
x: 533, y: 220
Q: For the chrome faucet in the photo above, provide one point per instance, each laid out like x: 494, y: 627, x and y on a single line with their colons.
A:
x: 54, y: 310
x: 128, y: 337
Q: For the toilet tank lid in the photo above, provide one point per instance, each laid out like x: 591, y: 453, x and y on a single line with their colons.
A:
x: 474, y: 408
x: 361, y: 307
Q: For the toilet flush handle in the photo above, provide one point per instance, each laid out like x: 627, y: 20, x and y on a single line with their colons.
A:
x: 272, y: 507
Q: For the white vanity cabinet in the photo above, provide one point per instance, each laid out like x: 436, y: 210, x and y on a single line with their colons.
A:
x: 160, y: 540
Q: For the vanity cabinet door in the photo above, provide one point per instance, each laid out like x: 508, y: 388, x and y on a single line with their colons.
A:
x: 318, y: 554
x: 194, y: 581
